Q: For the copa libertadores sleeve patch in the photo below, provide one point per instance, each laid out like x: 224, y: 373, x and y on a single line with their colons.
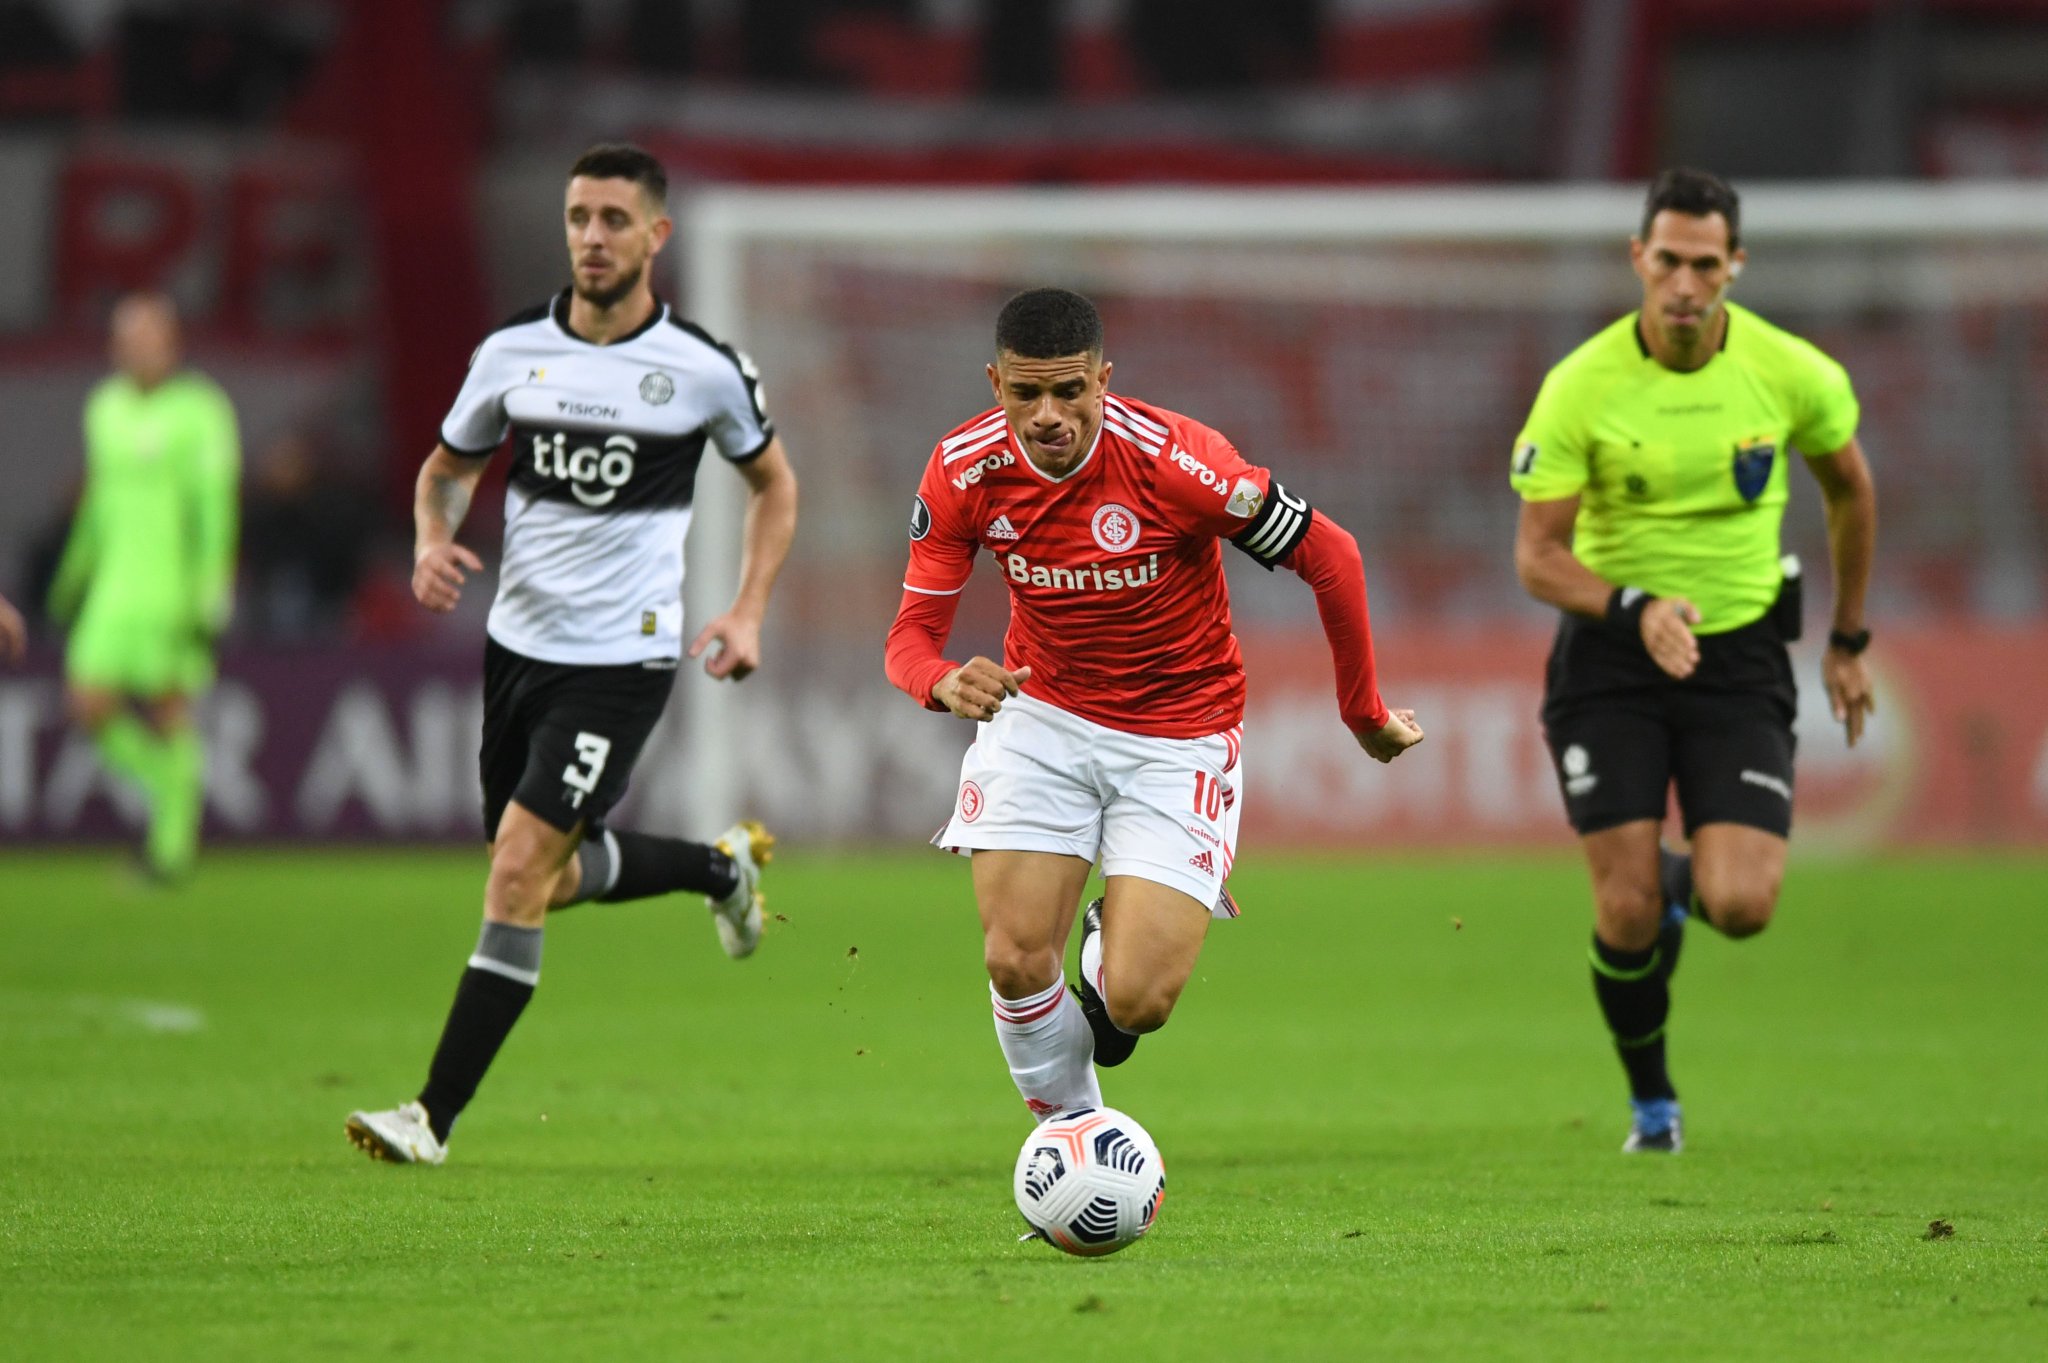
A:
x: 1281, y: 523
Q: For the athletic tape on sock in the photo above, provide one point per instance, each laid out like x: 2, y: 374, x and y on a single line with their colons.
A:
x: 513, y: 952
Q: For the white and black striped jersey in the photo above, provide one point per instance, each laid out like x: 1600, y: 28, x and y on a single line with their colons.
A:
x: 605, y: 445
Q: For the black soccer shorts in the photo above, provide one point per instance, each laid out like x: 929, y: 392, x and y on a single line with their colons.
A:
x: 1621, y: 732
x: 561, y: 739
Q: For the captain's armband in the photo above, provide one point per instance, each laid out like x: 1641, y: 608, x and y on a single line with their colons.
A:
x: 1280, y: 523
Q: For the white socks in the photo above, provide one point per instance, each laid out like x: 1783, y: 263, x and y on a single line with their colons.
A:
x: 1050, y: 1049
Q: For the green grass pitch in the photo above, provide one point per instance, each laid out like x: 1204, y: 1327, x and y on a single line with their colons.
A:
x: 1389, y: 1114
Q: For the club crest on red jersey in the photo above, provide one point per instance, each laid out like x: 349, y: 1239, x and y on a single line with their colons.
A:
x: 1115, y: 527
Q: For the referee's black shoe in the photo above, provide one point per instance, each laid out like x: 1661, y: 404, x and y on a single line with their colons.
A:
x: 1113, y: 1045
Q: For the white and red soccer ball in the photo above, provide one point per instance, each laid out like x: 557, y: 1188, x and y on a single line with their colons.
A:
x: 1090, y: 1181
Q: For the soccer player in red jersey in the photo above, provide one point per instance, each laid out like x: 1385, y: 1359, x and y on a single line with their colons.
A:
x: 1113, y: 726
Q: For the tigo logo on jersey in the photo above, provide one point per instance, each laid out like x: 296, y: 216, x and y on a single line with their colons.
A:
x: 1115, y: 527
x: 971, y: 803
x: 1001, y: 529
x: 609, y: 469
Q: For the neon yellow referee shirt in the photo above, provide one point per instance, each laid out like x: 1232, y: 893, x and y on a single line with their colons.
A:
x: 1681, y: 477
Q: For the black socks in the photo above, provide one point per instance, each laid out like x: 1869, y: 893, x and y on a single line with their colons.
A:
x: 1635, y: 996
x: 647, y: 865
x: 488, y: 1000
x: 486, y: 1006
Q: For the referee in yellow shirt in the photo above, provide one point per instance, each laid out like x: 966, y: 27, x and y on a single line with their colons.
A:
x: 1653, y: 477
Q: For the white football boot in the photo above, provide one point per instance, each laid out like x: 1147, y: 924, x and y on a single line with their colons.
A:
x: 738, y: 916
x: 400, y: 1135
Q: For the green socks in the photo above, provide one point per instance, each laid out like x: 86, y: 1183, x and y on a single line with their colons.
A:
x: 180, y: 800
x: 170, y: 771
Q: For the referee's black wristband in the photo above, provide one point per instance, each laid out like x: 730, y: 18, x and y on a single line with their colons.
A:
x: 1625, y: 609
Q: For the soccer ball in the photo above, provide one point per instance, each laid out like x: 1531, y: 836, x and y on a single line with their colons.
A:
x: 1090, y: 1181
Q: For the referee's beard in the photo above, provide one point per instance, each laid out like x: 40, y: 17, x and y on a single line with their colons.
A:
x: 604, y: 300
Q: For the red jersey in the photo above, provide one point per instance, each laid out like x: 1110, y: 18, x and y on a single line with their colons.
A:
x: 1118, y: 600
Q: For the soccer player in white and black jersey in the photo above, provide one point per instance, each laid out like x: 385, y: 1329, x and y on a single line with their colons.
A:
x: 609, y: 400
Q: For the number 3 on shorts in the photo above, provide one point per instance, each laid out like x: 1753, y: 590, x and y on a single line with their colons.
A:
x: 582, y: 774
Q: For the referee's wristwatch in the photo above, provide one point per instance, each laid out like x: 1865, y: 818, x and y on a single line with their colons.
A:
x: 1851, y: 644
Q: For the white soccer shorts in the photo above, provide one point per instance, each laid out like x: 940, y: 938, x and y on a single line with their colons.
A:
x: 1041, y: 779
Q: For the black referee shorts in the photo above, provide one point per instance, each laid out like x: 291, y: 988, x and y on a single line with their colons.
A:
x: 562, y: 739
x: 1621, y: 731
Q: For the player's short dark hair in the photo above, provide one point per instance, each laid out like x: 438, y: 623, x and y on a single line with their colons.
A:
x: 623, y: 161
x: 1045, y: 324
x: 1696, y: 193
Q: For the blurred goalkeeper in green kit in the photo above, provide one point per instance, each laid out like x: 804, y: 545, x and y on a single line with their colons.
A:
x: 146, y: 580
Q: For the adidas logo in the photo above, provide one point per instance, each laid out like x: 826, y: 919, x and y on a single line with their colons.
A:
x: 1203, y: 862
x: 1001, y: 529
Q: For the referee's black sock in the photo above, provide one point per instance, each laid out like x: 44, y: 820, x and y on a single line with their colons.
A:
x: 490, y: 997
x: 1635, y: 996
x: 621, y: 865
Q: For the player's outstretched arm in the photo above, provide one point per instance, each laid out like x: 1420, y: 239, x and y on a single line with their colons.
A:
x: 734, y: 638
x: 13, y: 632
x: 441, y: 498
x: 1327, y: 558
x: 1851, y: 498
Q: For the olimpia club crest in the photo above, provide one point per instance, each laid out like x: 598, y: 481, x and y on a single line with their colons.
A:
x: 657, y: 388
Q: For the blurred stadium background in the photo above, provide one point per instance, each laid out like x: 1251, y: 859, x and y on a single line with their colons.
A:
x: 1351, y: 233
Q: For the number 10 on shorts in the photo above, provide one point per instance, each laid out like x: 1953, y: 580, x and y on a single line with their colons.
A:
x: 582, y: 774
x: 1208, y: 796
